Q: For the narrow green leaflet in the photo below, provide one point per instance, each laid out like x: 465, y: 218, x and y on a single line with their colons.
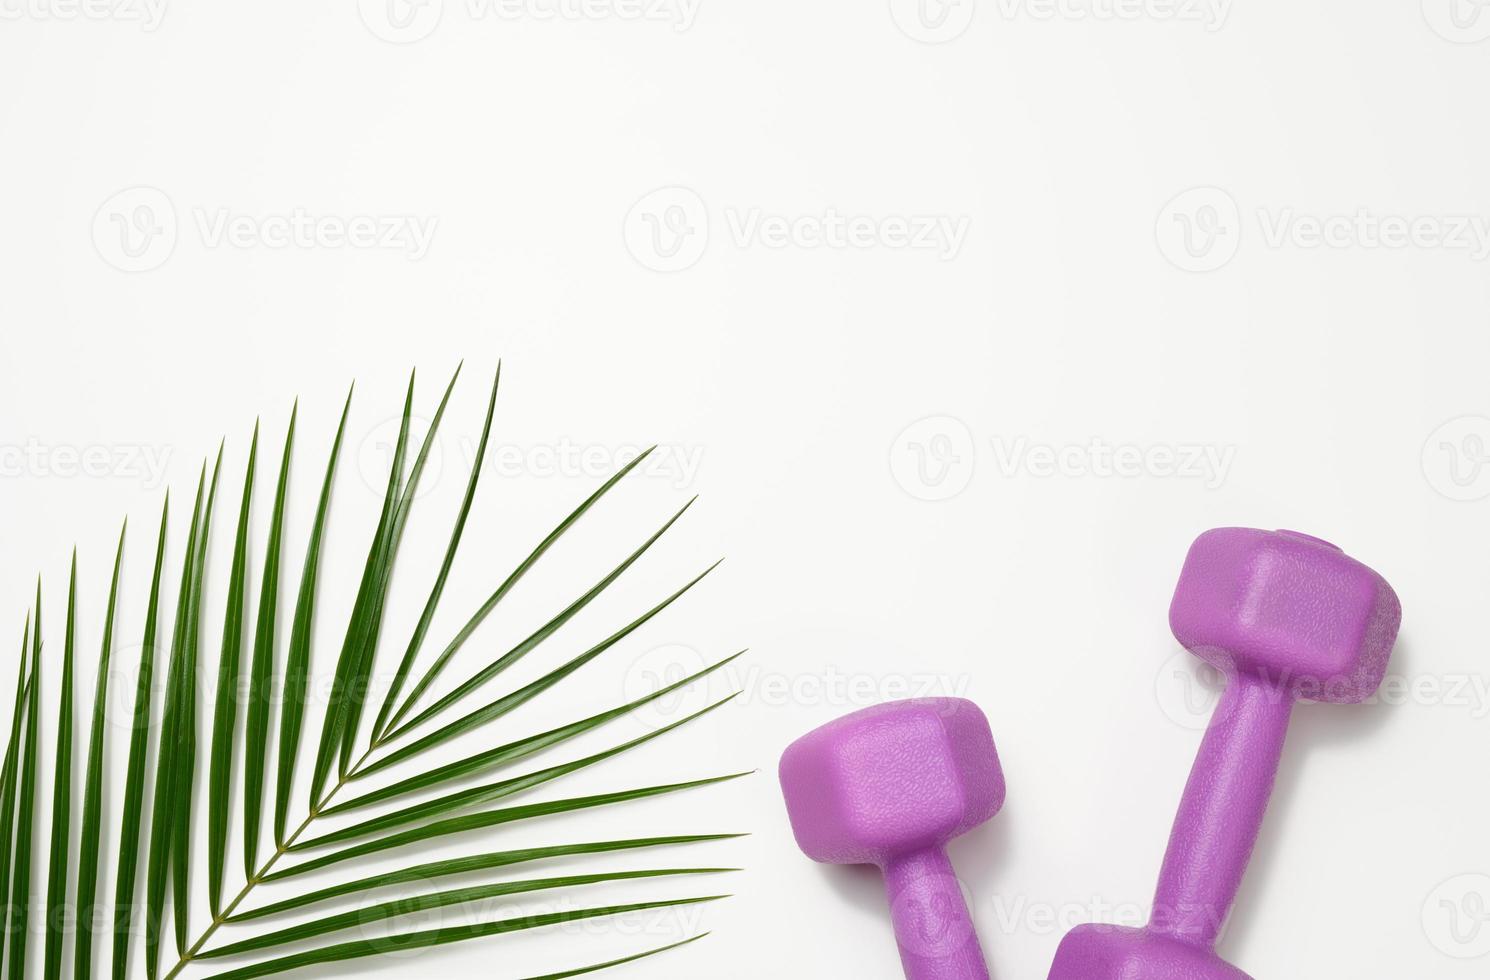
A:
x: 225, y: 715
x: 440, y: 937
x: 134, y: 780
x: 480, y: 615
x: 465, y: 865
x: 19, y: 923
x: 186, y: 733
x: 351, y: 716
x: 512, y: 751
x: 155, y: 881
x: 416, y: 642
x: 500, y: 790
x: 359, y: 627
x: 490, y: 818
x: 92, y: 835
x: 166, y: 809
x: 261, y: 668
x: 358, y: 918
x: 8, y: 779
x: 297, y: 664
x: 62, y: 792
x: 517, y: 653
x: 516, y: 699
x: 621, y: 962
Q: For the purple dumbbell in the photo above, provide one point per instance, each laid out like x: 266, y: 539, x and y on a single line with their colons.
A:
x: 1285, y: 617
x: 890, y: 786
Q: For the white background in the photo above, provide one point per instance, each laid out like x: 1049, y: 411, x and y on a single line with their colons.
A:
x: 1254, y: 235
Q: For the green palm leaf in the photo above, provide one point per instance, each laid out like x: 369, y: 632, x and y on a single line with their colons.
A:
x: 62, y: 791
x: 621, y: 962
x: 491, y: 791
x: 134, y: 780
x: 365, y: 611
x: 157, y: 826
x: 440, y: 937
x: 435, y: 900
x: 8, y: 779
x: 18, y: 920
x: 261, y: 669
x: 478, y: 862
x: 93, y: 791
x: 427, y: 617
x: 492, y: 818
x: 297, y: 668
x: 522, y: 569
x: 487, y: 673
x: 225, y: 717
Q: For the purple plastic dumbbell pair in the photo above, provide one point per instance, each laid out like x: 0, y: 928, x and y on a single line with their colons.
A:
x: 1285, y: 616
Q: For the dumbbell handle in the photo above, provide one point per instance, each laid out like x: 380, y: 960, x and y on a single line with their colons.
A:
x: 932, y: 925
x: 1222, y: 810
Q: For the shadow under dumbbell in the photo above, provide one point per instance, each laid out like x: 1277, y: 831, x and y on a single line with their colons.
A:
x: 1313, y: 728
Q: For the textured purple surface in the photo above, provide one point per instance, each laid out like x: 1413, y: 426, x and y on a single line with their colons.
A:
x: 1285, y: 616
x: 890, y: 786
